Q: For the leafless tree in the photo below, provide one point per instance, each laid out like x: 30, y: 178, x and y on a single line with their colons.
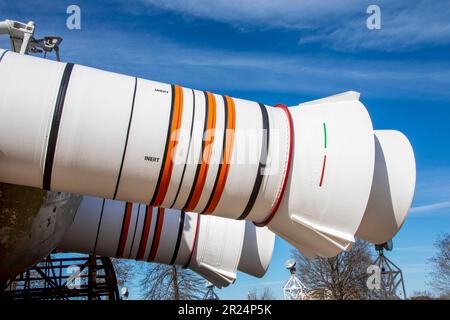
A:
x: 165, y: 282
x: 440, y: 276
x: 422, y: 295
x: 341, y: 278
x: 123, y: 269
x: 264, y: 294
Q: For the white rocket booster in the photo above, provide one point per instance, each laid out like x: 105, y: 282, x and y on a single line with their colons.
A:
x: 316, y: 174
x: 211, y: 246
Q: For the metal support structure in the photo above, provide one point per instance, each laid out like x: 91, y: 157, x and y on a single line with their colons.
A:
x: 392, y: 286
x: 210, y: 294
x: 294, y: 289
x: 22, y: 40
x: 65, y: 277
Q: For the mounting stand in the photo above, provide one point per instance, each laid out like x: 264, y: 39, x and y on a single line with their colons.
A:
x: 392, y: 286
x: 294, y: 289
x: 210, y: 294
x: 59, y: 277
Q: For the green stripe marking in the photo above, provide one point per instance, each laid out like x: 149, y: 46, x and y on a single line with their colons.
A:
x: 325, y: 135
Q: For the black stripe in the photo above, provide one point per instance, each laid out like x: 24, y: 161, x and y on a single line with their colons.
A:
x: 121, y: 230
x: 155, y: 229
x: 135, y: 227
x: 56, y: 121
x: 126, y: 140
x: 3, y: 54
x: 155, y: 193
x: 197, y: 172
x: 187, y: 153
x: 262, y: 164
x: 180, y: 234
x: 225, y: 108
x: 99, y: 224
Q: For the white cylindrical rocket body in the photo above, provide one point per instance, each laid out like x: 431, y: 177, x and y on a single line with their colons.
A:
x: 211, y: 246
x: 304, y: 171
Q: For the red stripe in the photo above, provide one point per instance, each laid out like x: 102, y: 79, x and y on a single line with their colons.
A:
x: 194, y: 242
x: 124, y: 231
x: 144, y: 236
x: 323, y: 169
x: 157, y: 235
x: 288, y: 167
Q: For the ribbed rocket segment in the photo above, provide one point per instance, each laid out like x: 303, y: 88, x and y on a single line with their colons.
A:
x: 211, y: 246
x: 312, y: 173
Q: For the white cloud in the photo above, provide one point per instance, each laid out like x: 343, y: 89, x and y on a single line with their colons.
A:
x: 431, y: 207
x: 433, y: 185
x: 404, y: 26
x: 294, y: 14
x: 337, y: 24
x: 151, y: 56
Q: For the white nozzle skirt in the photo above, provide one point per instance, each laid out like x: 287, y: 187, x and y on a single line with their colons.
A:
x: 306, y: 172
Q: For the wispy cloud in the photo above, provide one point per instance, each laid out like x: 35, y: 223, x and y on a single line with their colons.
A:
x: 432, y: 194
x: 103, y: 44
x: 431, y: 208
x: 150, y: 54
x: 294, y: 14
x: 337, y: 24
x: 405, y: 26
x: 433, y: 185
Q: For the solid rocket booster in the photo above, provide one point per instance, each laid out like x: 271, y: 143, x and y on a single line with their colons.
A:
x: 211, y: 246
x: 307, y: 172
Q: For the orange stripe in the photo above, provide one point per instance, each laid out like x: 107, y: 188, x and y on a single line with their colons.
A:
x: 145, y: 232
x: 124, y: 231
x: 229, y: 143
x: 174, y: 136
x: 206, y: 154
x: 157, y: 236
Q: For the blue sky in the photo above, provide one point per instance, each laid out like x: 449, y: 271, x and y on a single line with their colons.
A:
x: 289, y: 51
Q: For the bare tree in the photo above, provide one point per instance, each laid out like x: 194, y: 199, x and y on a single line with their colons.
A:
x: 123, y: 269
x: 264, y: 294
x: 440, y: 276
x: 342, y: 277
x: 422, y: 295
x: 165, y: 282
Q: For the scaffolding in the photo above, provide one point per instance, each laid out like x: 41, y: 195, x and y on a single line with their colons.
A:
x: 294, y: 289
x: 210, y: 293
x: 63, y: 277
x: 392, y: 286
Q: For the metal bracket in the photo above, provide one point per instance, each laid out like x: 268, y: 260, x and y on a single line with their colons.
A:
x: 22, y: 40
